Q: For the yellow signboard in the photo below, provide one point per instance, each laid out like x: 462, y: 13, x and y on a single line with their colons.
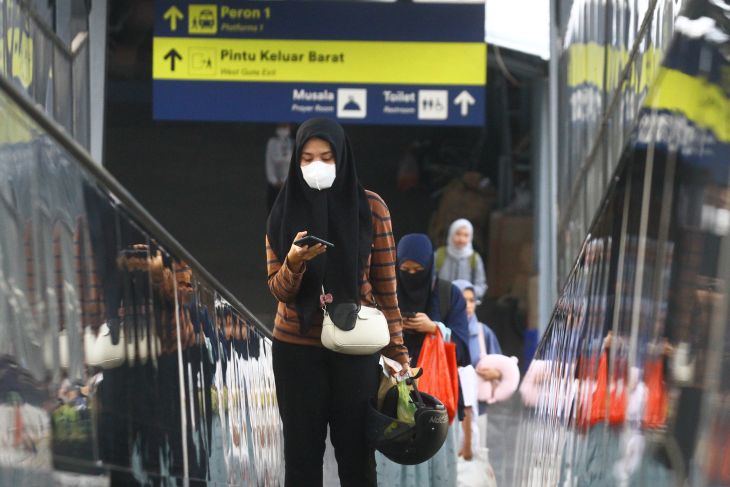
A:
x: 263, y: 60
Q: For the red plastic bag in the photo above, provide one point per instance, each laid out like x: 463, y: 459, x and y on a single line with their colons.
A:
x: 593, y: 408
x: 618, y: 399
x: 450, y: 349
x: 598, y: 403
x: 655, y: 415
x: 440, y: 377
x: 585, y: 391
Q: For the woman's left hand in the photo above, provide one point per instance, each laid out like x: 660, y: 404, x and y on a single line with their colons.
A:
x: 466, y: 452
x: 489, y: 374
x: 420, y: 323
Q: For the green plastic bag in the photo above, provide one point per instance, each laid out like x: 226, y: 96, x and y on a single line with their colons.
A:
x: 406, y: 409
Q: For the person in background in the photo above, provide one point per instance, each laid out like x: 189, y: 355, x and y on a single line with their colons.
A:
x: 419, y: 299
x: 316, y: 387
x: 474, y: 433
x: 278, y: 153
x: 458, y: 259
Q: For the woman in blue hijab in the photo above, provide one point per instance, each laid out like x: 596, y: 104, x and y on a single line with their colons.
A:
x: 475, y: 419
x: 424, y: 309
x: 491, y: 344
x: 420, y: 302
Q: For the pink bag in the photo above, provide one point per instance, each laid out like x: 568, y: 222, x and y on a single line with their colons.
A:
x: 501, y: 390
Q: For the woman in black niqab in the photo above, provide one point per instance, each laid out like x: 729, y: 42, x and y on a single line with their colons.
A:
x: 340, y: 215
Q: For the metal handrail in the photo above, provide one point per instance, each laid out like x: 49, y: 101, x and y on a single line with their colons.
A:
x: 131, y: 204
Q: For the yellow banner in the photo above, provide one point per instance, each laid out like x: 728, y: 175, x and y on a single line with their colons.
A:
x: 702, y: 102
x: 437, y: 63
x: 589, y: 63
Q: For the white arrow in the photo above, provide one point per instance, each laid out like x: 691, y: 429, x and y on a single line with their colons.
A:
x: 465, y: 100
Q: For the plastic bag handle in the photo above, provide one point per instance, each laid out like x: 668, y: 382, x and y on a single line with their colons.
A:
x: 411, y: 381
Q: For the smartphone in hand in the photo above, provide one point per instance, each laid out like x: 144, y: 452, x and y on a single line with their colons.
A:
x: 310, y: 240
x: 408, y: 314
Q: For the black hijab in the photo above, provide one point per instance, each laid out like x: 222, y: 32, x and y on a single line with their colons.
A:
x: 418, y: 293
x: 340, y: 215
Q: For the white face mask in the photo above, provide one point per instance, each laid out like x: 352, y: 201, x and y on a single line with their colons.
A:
x: 283, y: 132
x: 319, y: 175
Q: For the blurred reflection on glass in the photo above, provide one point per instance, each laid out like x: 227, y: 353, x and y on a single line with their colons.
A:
x: 638, y: 347
x: 117, y: 362
x: 598, y: 79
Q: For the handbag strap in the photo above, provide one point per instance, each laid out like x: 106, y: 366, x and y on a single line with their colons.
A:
x: 323, y: 300
x: 482, y: 349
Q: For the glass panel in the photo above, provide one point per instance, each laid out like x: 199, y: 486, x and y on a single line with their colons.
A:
x: 233, y: 403
x: 3, y: 41
x: 599, y: 36
x: 80, y: 96
x: 644, y: 400
x: 39, y: 64
x: 119, y: 363
x: 62, y: 99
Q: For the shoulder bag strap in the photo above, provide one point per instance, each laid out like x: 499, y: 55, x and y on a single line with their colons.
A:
x: 440, y: 257
x: 323, y: 300
x: 473, y: 266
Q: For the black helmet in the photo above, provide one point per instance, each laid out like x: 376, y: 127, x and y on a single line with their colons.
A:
x: 404, y: 443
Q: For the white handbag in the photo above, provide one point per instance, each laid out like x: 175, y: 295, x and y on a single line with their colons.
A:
x: 370, y: 335
x: 99, y: 351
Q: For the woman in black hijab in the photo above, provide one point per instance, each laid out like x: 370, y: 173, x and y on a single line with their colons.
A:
x: 428, y: 303
x: 419, y: 297
x: 315, y: 387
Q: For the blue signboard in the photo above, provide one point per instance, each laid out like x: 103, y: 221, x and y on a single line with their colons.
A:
x: 289, y: 61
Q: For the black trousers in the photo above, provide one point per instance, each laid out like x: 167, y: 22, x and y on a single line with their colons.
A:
x: 316, y: 387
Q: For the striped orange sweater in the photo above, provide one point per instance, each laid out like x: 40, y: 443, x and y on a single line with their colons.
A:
x: 378, y: 285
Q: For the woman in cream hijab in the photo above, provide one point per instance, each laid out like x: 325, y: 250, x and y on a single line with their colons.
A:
x: 458, y: 259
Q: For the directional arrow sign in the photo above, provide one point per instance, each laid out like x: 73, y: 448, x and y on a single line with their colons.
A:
x: 172, y: 55
x: 173, y: 14
x: 465, y: 100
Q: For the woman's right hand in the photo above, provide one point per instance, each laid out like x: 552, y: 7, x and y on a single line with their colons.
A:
x: 297, y: 256
x: 420, y: 323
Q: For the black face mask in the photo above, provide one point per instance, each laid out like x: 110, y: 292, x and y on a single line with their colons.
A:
x: 414, y: 290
